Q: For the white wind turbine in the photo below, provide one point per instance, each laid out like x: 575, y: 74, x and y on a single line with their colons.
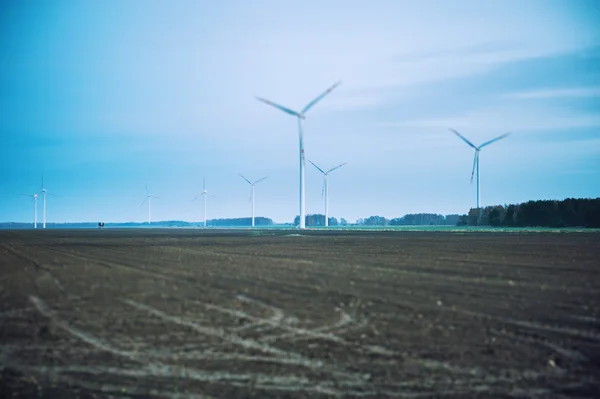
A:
x: 205, y: 194
x: 44, y: 191
x: 148, y: 199
x: 252, y: 185
x: 476, y: 159
x: 301, y: 115
x: 326, y: 187
x: 34, y: 197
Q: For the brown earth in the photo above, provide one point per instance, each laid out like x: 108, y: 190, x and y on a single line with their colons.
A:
x: 219, y: 313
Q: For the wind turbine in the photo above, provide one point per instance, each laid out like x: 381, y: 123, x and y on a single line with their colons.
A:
x: 44, y: 191
x: 326, y: 188
x: 34, y: 196
x: 300, y: 116
x: 205, y: 194
x: 476, y: 158
x: 149, y: 199
x: 252, y: 185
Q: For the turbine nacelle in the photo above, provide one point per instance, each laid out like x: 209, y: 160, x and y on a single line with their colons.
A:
x: 32, y: 196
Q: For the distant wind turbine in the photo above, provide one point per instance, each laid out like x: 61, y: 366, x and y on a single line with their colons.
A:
x: 301, y: 115
x: 149, y: 199
x: 252, y: 185
x: 205, y: 194
x: 326, y: 187
x: 476, y: 159
x: 44, y: 191
x: 34, y: 196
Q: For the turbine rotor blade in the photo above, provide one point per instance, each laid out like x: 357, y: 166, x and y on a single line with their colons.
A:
x: 144, y: 201
x: 475, y: 160
x: 494, y: 140
x: 259, y: 180
x: 280, y: 107
x: 463, y: 138
x: 320, y: 97
x: 243, y: 177
x: 146, y: 189
x: 204, y: 184
x: 313, y: 164
x: 337, y: 167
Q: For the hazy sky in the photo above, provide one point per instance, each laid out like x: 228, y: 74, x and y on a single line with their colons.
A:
x: 103, y: 97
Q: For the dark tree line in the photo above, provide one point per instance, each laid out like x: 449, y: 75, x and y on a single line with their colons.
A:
x: 545, y: 213
x: 318, y: 220
x: 420, y: 219
x: 373, y: 221
x: 412, y: 219
x: 247, y: 221
x: 233, y: 222
x: 571, y: 212
x: 406, y: 220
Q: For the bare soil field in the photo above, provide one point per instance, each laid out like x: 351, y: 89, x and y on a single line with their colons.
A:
x: 269, y: 314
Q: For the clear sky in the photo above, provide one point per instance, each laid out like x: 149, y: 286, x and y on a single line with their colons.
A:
x: 103, y: 97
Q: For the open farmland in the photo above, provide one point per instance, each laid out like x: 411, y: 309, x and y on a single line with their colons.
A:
x: 219, y: 313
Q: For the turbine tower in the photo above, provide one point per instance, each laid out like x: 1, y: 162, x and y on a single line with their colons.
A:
x: 44, y: 191
x: 34, y: 197
x: 326, y: 188
x: 149, y: 199
x: 300, y: 116
x: 205, y: 194
x: 252, y: 196
x: 476, y: 158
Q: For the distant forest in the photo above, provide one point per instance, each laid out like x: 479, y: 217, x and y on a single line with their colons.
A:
x: 416, y: 219
x: 235, y: 222
x: 567, y: 213
x: 258, y: 221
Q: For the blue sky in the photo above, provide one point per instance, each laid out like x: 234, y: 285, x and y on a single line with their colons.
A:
x: 103, y: 97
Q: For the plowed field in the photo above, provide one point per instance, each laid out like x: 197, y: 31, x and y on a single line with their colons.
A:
x: 265, y: 314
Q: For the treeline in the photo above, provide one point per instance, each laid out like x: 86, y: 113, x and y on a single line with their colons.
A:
x: 319, y: 220
x: 233, y: 222
x: 92, y: 225
x: 571, y: 212
x: 412, y: 219
x: 417, y: 219
x: 420, y: 219
x: 19, y: 225
x: 258, y: 221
